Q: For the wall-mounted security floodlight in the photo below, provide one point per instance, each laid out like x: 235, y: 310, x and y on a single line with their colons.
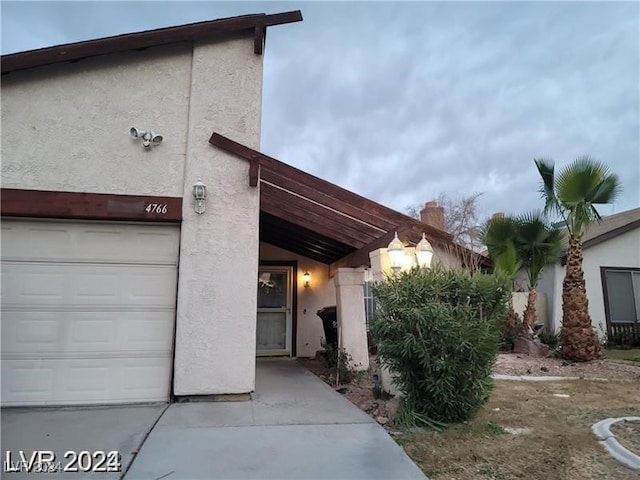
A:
x: 147, y: 136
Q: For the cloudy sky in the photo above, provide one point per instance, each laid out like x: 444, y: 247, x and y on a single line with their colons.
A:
x: 400, y: 102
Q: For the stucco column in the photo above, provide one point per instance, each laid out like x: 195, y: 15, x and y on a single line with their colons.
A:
x: 352, y: 324
x: 379, y: 264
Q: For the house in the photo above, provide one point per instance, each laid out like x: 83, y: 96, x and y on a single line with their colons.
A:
x: 611, y: 264
x: 149, y: 250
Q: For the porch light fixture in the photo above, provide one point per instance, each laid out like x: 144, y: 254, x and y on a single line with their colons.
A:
x: 395, y: 250
x: 424, y: 252
x: 199, y: 194
x: 306, y: 280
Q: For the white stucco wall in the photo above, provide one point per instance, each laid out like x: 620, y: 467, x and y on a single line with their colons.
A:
x: 217, y: 304
x: 320, y: 294
x: 66, y: 127
x: 620, y: 251
x: 520, y: 300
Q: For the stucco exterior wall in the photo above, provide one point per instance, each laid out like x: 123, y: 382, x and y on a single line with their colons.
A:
x: 520, y: 300
x: 217, y: 303
x: 320, y: 294
x: 66, y: 127
x: 620, y: 251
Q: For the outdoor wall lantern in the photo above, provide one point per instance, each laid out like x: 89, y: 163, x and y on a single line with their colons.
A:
x: 147, y: 136
x: 199, y: 194
x: 306, y: 280
x: 395, y: 250
x: 424, y: 253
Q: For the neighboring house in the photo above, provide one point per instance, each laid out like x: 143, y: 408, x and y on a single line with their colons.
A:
x: 114, y: 289
x: 611, y: 251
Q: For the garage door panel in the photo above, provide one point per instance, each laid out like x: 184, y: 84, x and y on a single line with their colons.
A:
x: 83, y: 381
x: 36, y: 334
x: 88, y: 312
x: 57, y: 284
x: 107, y: 243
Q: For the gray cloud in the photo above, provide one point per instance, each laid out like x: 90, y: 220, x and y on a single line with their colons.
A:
x: 402, y: 101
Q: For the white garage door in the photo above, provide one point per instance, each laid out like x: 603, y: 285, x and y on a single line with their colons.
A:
x: 88, y: 312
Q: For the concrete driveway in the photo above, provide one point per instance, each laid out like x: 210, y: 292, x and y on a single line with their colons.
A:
x: 92, y: 429
x: 296, y: 427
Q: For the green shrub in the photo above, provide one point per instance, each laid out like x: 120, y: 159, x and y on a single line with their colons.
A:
x: 337, y: 362
x: 438, y: 331
x: 549, y: 338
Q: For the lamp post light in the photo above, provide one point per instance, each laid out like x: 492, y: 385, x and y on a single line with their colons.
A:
x: 424, y: 253
x: 395, y: 250
x: 199, y: 194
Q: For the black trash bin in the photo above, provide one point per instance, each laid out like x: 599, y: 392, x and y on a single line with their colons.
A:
x: 330, y: 324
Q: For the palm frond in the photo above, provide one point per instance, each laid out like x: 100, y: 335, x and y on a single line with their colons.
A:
x: 581, y: 184
x: 538, y: 244
x: 546, y: 169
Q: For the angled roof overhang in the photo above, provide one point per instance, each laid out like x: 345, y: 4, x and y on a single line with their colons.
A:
x: 318, y: 219
x: 255, y: 25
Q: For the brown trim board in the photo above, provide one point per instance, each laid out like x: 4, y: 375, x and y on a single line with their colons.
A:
x: 255, y: 25
x: 89, y: 206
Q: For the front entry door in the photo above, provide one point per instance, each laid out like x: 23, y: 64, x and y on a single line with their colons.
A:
x: 274, y: 311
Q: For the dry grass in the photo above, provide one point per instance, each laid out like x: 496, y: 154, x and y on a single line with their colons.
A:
x: 560, y: 445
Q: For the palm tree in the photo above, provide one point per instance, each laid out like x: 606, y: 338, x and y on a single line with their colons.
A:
x: 499, y: 235
x: 574, y: 193
x: 538, y: 244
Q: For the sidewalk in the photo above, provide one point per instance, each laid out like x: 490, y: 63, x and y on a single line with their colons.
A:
x: 296, y: 427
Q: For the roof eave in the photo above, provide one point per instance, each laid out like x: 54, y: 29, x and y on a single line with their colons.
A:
x: 249, y: 24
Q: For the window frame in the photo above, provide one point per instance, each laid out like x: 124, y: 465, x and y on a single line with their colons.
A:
x: 605, y: 292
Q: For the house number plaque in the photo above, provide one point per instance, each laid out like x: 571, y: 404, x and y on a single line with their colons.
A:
x: 160, y: 208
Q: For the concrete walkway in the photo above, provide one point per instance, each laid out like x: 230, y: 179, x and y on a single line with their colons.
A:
x: 296, y: 427
x: 60, y: 429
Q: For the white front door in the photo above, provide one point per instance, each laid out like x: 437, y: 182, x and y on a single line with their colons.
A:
x: 274, y: 311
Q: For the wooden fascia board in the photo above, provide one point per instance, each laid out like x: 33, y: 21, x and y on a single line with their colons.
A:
x: 251, y: 24
x: 89, y: 206
x: 313, y: 194
x: 318, y: 189
x: 295, y: 210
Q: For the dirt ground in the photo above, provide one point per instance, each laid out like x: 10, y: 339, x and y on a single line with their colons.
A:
x: 360, y: 392
x: 551, y: 422
x: 514, y: 364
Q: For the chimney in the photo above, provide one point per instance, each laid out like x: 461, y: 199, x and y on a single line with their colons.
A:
x: 433, y: 214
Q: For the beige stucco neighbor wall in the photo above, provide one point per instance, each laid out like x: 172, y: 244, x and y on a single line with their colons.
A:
x: 520, y: 300
x: 321, y: 293
x: 66, y: 127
